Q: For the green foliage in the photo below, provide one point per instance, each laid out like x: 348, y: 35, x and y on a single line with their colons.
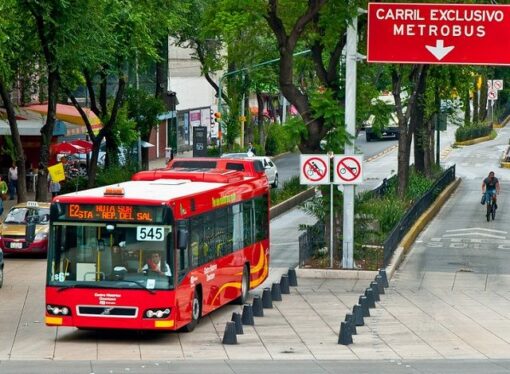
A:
x: 143, y: 108
x: 290, y: 188
x: 278, y: 140
x: 418, y: 185
x: 464, y: 133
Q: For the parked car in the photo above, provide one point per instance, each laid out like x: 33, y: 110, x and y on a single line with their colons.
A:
x: 15, y: 229
x: 1, y: 268
x: 268, y: 164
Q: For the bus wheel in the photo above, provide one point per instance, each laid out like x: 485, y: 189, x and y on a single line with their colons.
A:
x: 196, y: 313
x: 245, y: 286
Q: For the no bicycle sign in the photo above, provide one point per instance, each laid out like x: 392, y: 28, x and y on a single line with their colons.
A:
x: 314, y: 169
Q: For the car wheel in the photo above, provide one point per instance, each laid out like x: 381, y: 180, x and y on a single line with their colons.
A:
x: 196, y: 312
x: 369, y: 137
x: 275, y: 182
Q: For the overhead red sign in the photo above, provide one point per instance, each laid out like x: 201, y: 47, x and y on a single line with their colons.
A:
x: 439, y: 33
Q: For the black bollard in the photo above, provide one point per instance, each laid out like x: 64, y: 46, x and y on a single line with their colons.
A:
x: 247, y: 317
x: 358, y: 315
x: 284, y: 284
x: 345, y: 336
x: 375, y: 290
x: 236, y: 318
x: 365, y: 310
x: 267, y: 300
x: 276, y: 293
x: 258, y: 311
x: 292, y: 278
x: 370, y: 298
x: 380, y: 284
x: 350, y: 319
x: 382, y: 273
x: 230, y: 337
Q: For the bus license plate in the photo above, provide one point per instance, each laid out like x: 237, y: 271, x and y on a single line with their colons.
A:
x: 16, y: 245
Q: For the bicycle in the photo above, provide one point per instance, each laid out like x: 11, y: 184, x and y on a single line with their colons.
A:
x: 491, y: 206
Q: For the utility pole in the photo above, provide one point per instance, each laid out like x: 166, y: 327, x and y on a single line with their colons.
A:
x: 350, y: 125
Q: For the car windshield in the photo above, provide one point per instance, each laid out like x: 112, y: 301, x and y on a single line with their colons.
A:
x: 23, y: 215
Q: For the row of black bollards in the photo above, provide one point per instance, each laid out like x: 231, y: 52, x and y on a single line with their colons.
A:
x: 362, y: 309
x: 256, y: 309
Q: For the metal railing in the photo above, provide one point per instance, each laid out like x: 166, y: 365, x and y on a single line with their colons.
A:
x: 418, y: 208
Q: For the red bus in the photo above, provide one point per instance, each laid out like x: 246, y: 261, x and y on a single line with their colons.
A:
x: 157, y: 252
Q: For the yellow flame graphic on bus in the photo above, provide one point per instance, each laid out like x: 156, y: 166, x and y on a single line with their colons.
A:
x: 261, y: 264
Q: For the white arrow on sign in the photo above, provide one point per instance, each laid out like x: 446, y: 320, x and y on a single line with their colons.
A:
x: 439, y: 50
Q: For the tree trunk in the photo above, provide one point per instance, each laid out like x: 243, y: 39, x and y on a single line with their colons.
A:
x: 46, y: 135
x: 13, y: 125
x: 475, y: 104
x: 417, y: 122
x: 482, y: 110
x: 260, y: 113
x: 467, y: 109
x: 162, y: 69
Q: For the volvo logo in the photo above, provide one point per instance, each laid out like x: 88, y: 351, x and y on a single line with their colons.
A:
x: 107, y: 311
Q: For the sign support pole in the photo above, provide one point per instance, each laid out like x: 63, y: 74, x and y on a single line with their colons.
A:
x: 331, y: 226
x: 350, y: 125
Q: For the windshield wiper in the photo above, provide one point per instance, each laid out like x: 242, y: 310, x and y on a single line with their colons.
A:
x: 80, y: 285
x: 137, y: 283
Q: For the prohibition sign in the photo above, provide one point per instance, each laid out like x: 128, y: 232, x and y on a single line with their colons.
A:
x: 314, y: 169
x: 348, y: 169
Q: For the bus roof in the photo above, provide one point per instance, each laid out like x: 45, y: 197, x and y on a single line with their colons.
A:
x: 160, y: 187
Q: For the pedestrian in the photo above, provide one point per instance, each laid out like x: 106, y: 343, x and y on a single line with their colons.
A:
x: 54, y: 188
x: 251, y: 149
x: 13, y: 181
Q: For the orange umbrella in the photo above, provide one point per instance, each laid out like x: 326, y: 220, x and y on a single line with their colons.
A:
x: 69, y: 113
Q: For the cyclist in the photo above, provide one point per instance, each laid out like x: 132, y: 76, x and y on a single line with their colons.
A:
x: 490, y: 187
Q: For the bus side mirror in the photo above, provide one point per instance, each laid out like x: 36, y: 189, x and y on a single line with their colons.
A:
x: 182, y: 238
x: 30, y: 232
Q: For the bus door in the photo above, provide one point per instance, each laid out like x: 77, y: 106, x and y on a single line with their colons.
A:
x: 182, y: 251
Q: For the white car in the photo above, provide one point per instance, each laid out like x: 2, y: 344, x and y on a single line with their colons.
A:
x: 269, y: 166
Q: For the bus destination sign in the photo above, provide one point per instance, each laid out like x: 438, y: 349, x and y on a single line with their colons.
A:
x: 100, y: 212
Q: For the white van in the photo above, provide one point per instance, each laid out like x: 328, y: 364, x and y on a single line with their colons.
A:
x: 390, y: 129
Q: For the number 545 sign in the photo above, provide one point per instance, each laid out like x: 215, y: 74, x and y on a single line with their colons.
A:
x: 150, y: 233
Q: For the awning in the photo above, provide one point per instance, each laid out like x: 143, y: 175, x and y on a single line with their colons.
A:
x: 69, y: 113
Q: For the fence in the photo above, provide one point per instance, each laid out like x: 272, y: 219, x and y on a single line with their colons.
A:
x: 312, y: 242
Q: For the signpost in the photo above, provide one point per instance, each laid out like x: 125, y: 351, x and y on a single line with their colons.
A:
x: 348, y: 169
x: 439, y: 33
x: 314, y: 169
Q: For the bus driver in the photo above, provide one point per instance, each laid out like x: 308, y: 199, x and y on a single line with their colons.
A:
x: 154, y: 264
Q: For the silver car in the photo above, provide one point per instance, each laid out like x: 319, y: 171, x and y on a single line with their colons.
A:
x: 269, y: 165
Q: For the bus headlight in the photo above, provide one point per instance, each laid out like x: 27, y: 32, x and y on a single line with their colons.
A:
x: 57, y: 310
x: 41, y: 236
x: 157, y: 313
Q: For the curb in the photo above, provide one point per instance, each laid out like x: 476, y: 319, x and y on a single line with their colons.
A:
x: 417, y: 228
x: 380, y: 154
x: 398, y: 255
x: 288, y: 204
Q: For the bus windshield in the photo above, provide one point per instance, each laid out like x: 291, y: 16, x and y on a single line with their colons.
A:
x: 110, y: 256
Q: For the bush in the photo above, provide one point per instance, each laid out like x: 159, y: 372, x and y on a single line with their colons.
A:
x: 278, y: 140
x: 464, y: 133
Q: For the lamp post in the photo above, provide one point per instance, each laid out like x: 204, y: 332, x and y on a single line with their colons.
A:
x: 233, y: 72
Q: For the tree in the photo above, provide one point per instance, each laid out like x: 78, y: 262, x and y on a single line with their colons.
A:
x: 15, y: 47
